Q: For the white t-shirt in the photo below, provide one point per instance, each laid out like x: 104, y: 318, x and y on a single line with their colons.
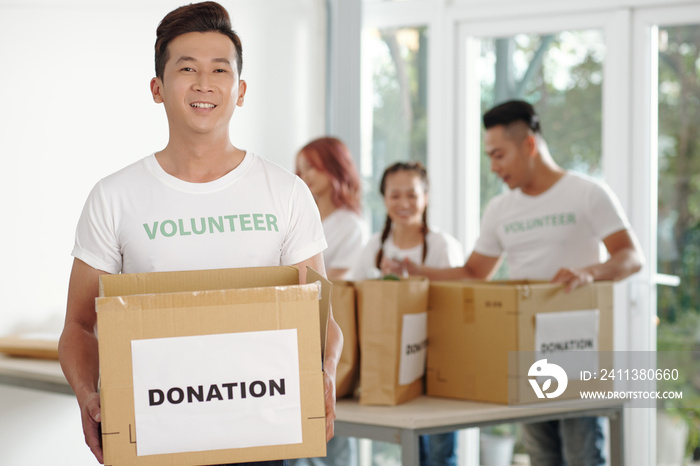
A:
x: 141, y: 219
x: 346, y: 234
x: 562, y: 227
x: 443, y: 251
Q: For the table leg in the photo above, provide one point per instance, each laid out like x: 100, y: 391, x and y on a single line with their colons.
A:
x: 617, y: 438
x: 410, y: 448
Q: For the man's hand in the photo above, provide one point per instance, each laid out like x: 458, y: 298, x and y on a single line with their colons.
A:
x: 91, y: 416
x: 573, y: 278
x: 625, y: 259
x: 329, y: 392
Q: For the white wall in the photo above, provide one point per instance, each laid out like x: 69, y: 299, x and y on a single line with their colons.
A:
x: 76, y: 107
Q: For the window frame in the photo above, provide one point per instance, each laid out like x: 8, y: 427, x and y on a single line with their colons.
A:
x: 628, y: 165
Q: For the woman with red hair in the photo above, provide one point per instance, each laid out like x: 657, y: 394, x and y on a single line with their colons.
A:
x: 326, y: 166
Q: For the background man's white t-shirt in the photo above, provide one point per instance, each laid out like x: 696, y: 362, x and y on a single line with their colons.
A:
x: 562, y: 227
x: 141, y: 219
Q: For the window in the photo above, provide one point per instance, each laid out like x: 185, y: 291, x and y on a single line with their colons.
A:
x: 394, y: 109
x: 678, y: 226
x: 561, y: 75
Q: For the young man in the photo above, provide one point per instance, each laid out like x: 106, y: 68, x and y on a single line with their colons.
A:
x: 200, y: 203
x: 550, y: 226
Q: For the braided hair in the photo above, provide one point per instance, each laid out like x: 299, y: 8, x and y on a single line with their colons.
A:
x: 419, y: 169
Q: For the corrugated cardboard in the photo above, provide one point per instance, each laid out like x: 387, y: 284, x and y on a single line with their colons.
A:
x: 30, y: 346
x: 175, y: 304
x: 343, y: 300
x: 472, y: 327
x: 382, y: 307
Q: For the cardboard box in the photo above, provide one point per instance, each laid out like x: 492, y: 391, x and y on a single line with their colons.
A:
x: 393, y: 331
x: 344, y: 304
x: 39, y: 346
x: 472, y: 327
x: 211, y: 367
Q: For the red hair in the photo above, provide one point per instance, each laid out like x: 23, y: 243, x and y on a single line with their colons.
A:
x: 332, y: 157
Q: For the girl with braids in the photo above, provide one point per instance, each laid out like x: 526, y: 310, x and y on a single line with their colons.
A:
x: 406, y: 235
x: 326, y: 166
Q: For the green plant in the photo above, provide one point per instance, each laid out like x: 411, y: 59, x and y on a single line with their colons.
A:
x: 678, y: 343
x: 502, y: 430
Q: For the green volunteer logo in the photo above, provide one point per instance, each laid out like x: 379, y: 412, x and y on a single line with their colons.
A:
x: 545, y: 221
x: 211, y: 225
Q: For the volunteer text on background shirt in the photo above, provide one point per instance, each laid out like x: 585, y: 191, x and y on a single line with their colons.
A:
x: 562, y: 227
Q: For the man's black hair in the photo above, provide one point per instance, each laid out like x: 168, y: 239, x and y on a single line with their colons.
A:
x: 195, y: 17
x: 510, y: 112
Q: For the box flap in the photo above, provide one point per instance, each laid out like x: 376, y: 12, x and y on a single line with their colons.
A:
x: 30, y: 346
x: 196, y: 280
x: 324, y: 307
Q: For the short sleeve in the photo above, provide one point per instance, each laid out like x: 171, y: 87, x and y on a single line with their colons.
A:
x: 455, y: 252
x: 304, y: 238
x: 363, y: 267
x: 488, y: 243
x: 96, y: 243
x: 605, y: 212
x: 348, y: 240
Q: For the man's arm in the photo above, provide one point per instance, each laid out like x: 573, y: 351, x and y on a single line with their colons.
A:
x: 625, y: 259
x: 334, y: 346
x: 77, y: 350
x: 477, y: 267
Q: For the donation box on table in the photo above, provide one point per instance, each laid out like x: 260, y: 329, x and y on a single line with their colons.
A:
x: 485, y: 338
x: 393, y: 345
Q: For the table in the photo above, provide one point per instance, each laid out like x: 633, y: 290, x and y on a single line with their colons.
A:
x: 401, y: 424
x: 38, y: 374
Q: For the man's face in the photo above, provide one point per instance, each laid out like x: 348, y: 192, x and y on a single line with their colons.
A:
x: 509, y: 154
x: 200, y: 87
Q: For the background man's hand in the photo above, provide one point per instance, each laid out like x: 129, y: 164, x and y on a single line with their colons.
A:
x: 573, y: 278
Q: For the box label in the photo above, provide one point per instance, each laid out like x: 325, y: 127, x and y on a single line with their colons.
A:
x: 214, y: 392
x: 414, y: 343
x: 561, y: 332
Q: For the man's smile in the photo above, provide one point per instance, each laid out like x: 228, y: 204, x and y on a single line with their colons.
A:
x: 202, y: 105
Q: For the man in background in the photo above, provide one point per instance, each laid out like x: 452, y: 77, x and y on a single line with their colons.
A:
x: 550, y: 226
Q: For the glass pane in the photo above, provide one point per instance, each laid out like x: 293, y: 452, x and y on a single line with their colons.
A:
x: 394, y: 109
x: 562, y: 76
x: 678, y: 228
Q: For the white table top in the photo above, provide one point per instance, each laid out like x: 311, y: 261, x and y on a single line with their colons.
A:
x: 427, y: 412
x: 38, y: 374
